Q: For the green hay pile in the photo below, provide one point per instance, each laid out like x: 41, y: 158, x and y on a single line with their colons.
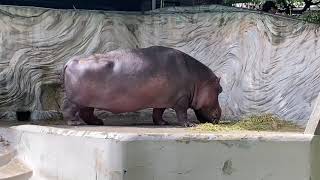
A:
x: 265, y: 122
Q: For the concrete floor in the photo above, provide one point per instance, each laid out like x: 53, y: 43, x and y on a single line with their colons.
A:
x: 136, y: 122
x: 145, y: 129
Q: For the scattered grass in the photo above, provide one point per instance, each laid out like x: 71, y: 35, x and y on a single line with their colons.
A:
x: 265, y: 122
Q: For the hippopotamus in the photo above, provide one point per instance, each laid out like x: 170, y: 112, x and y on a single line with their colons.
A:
x: 130, y: 80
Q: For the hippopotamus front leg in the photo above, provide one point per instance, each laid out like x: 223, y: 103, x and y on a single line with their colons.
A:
x: 181, y: 109
x: 71, y: 113
x: 157, y: 116
x: 87, y: 115
x: 182, y: 116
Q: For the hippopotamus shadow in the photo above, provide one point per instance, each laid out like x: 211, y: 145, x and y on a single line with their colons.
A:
x: 140, y: 118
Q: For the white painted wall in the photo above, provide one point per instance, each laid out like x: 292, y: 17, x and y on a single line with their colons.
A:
x: 55, y: 153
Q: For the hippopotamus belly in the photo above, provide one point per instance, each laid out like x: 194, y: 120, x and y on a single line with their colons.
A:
x: 120, y: 97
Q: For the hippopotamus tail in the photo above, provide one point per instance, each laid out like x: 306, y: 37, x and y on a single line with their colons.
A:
x: 61, y: 75
x: 62, y: 71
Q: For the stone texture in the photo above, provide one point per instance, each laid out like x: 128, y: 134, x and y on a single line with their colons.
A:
x: 267, y: 63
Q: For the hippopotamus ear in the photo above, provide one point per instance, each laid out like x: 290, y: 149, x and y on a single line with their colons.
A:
x: 219, y: 86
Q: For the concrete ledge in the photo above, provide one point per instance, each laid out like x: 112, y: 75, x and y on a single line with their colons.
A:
x: 159, y: 134
x: 134, y: 154
x: 313, y: 125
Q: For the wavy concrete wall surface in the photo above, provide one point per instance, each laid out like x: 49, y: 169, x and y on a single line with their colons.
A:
x: 267, y: 63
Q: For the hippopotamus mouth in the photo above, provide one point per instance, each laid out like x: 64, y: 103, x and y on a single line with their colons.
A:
x: 207, y: 116
x: 215, y: 120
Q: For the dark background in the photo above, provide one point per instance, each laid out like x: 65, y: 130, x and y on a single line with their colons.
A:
x: 121, y: 5
x: 114, y: 5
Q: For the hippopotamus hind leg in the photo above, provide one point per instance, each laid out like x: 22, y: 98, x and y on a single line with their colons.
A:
x: 87, y: 115
x: 157, y: 116
x: 71, y: 113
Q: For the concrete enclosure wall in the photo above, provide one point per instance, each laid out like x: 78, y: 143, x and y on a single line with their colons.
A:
x: 267, y: 63
x: 55, y: 153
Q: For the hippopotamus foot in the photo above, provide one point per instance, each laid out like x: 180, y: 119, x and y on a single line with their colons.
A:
x: 76, y: 122
x: 71, y: 113
x: 157, y: 116
x: 87, y: 115
x: 182, y: 116
x: 187, y: 124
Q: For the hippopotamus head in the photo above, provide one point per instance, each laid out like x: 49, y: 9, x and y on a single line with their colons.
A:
x: 209, y: 109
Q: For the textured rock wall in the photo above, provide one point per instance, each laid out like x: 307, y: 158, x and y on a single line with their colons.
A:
x: 267, y: 63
